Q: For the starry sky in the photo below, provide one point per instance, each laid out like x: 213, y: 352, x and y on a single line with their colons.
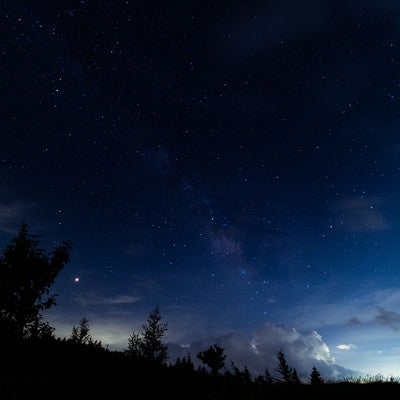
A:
x: 234, y: 162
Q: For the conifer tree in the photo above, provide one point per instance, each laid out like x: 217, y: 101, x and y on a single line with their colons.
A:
x: 187, y: 363
x: 264, y: 379
x: 294, y: 378
x: 267, y: 376
x: 152, y: 347
x: 81, y: 333
x: 184, y: 366
x: 283, y: 368
x: 134, y: 349
x: 147, y: 343
x: 246, y: 376
x: 315, y: 377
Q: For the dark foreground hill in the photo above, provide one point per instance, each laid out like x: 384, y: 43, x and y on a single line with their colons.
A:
x: 61, y: 370
x: 92, y: 388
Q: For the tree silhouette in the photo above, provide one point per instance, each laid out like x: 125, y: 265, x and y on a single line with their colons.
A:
x: 187, y: 362
x: 294, y: 378
x: 283, y: 368
x: 184, y: 366
x: 134, y: 349
x: 153, y: 348
x: 264, y: 379
x: 40, y: 330
x: 242, y: 376
x: 315, y: 377
x: 267, y: 376
x: 147, y: 344
x: 81, y: 333
x: 26, y: 274
x: 213, y: 357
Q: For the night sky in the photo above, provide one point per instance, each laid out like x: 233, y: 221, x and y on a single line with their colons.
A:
x: 235, y: 163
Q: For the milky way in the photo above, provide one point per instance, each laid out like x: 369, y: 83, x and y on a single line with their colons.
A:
x: 235, y: 163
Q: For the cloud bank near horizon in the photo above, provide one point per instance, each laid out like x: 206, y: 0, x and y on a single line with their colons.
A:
x: 258, y: 351
x: 362, y: 335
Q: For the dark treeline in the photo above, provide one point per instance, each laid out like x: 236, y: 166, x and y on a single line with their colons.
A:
x: 37, y: 365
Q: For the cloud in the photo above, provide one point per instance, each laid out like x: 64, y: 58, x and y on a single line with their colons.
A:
x: 388, y: 318
x: 360, y: 215
x: 12, y: 214
x: 95, y: 300
x: 354, y: 311
x: 381, y: 300
x: 346, y: 346
x: 354, y: 321
x: 258, y: 351
x: 387, y: 298
x: 123, y: 299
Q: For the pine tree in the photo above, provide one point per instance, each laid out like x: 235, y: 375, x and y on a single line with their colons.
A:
x: 267, y: 376
x: 147, y: 343
x: 237, y: 375
x: 187, y: 363
x: 294, y: 378
x: 184, y: 366
x: 134, y: 349
x: 315, y: 377
x: 264, y: 379
x: 283, y: 368
x: 81, y: 333
x: 246, y: 376
x: 151, y: 345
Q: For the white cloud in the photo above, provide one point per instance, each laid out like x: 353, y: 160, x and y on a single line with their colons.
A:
x: 258, y: 351
x: 345, y: 346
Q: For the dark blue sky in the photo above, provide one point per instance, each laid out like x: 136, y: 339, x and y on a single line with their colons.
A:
x: 235, y: 163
